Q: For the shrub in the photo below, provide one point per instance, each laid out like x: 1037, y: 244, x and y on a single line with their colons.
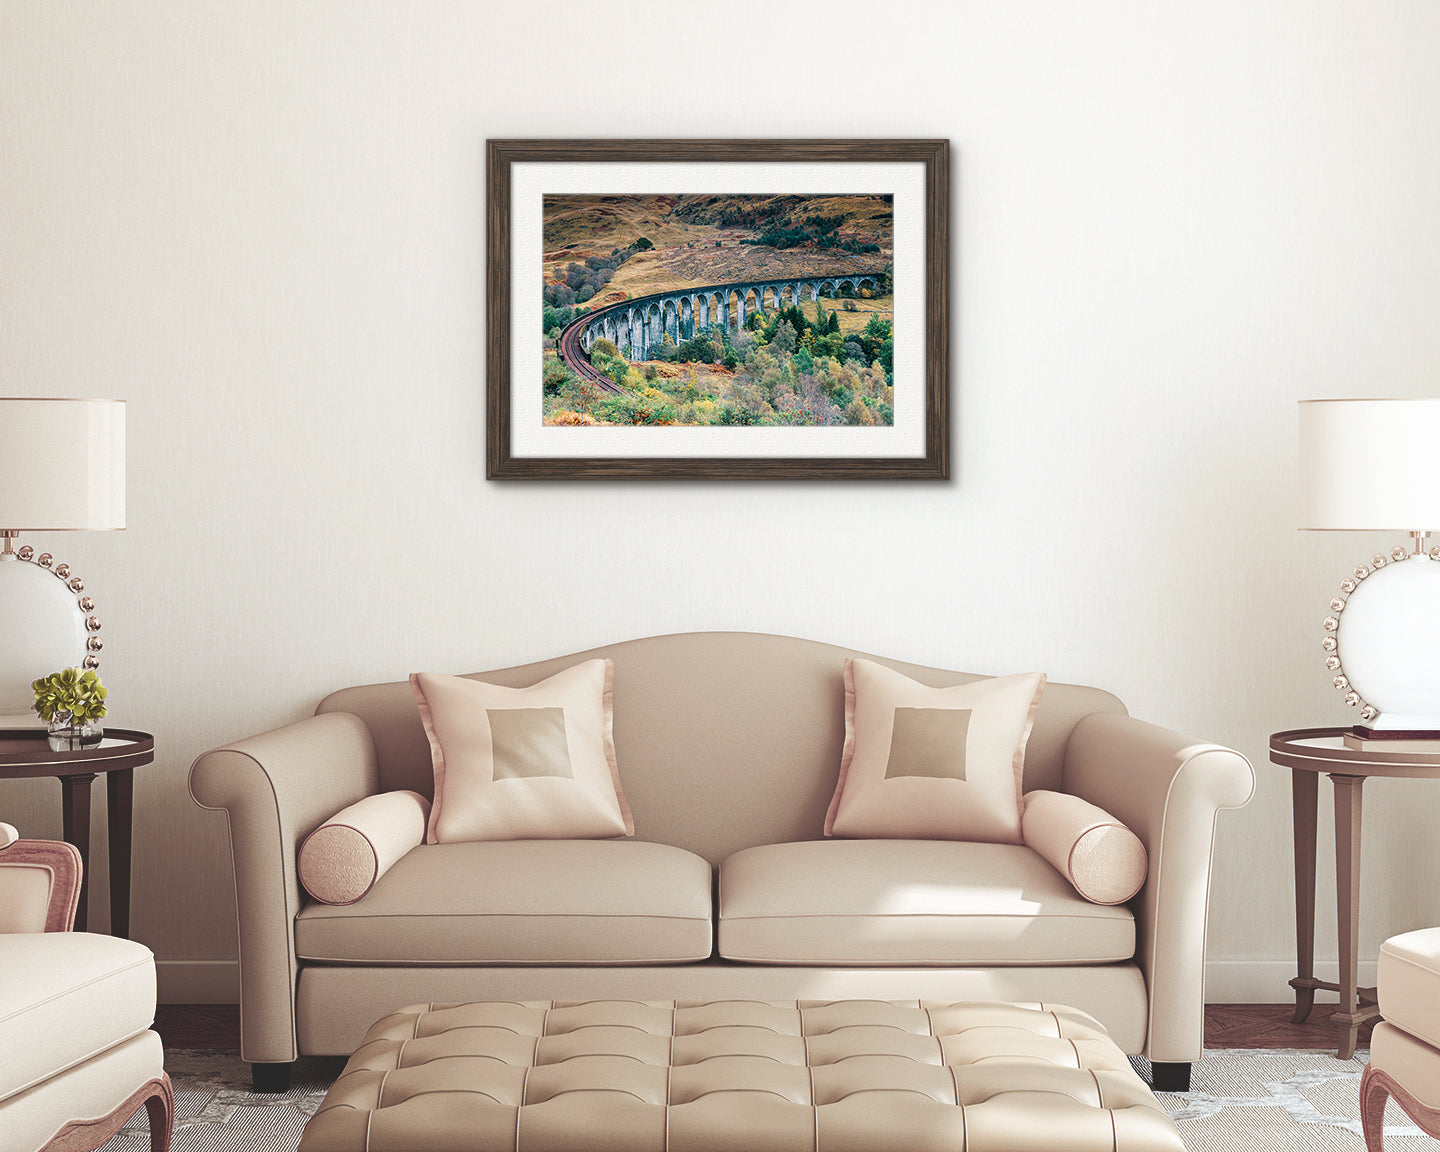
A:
x: 648, y: 407
x: 699, y: 349
x: 555, y: 376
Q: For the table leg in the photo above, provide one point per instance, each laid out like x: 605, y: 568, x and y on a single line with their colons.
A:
x: 119, y: 809
x: 1304, y: 791
x: 75, y: 821
x: 1347, y: 908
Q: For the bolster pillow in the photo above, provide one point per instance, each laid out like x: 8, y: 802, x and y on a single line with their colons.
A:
x: 1102, y: 859
x: 343, y: 858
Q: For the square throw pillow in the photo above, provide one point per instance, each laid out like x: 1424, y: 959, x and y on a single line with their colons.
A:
x: 925, y: 763
x: 533, y: 763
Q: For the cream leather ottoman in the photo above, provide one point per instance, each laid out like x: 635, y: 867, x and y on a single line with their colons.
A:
x: 677, y: 1076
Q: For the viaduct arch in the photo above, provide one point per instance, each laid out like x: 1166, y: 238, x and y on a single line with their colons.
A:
x: 635, y: 325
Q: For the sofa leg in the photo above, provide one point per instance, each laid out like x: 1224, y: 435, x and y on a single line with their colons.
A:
x: 270, y: 1077
x: 1170, y: 1077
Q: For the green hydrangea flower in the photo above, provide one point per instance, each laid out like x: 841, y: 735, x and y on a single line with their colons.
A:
x: 70, y: 693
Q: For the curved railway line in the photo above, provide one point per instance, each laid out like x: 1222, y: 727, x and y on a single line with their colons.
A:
x: 573, y: 355
x: 572, y: 352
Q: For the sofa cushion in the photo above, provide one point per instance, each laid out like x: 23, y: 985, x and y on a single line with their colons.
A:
x: 932, y: 763
x: 523, y: 763
x: 522, y: 902
x: 66, y: 996
x: 910, y: 902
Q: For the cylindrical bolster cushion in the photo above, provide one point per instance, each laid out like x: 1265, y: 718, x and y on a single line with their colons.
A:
x: 343, y: 858
x: 1102, y: 859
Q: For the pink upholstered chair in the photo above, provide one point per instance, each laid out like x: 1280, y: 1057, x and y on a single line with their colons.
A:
x: 77, y: 1056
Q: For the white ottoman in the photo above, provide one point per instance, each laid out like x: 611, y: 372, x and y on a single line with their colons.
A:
x: 793, y: 1076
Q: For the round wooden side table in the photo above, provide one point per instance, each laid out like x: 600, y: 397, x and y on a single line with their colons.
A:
x: 25, y: 752
x: 1308, y: 752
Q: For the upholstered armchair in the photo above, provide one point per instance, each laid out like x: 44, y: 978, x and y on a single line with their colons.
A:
x: 77, y: 1056
x: 1405, y: 1046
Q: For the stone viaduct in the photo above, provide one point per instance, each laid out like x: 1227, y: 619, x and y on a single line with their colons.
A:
x: 636, y: 325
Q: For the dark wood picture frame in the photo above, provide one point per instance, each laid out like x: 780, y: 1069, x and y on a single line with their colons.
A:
x: 503, y: 464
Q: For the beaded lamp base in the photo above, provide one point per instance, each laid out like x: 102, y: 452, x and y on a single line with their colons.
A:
x: 1382, y: 637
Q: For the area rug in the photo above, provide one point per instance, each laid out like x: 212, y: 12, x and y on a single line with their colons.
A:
x: 1245, y: 1100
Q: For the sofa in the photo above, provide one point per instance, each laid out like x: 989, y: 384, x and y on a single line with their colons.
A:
x: 728, y: 745
x: 77, y: 1055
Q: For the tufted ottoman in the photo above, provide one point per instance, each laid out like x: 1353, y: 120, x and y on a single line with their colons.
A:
x: 738, y: 1076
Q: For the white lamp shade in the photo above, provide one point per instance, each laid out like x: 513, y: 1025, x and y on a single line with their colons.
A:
x: 62, y: 464
x: 1369, y: 464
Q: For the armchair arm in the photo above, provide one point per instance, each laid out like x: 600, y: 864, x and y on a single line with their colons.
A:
x: 39, y: 884
x: 274, y: 789
x: 1167, y: 789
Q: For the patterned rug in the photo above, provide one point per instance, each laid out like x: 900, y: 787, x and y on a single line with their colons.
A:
x: 1240, y: 1099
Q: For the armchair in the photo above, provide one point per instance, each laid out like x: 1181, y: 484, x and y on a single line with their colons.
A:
x: 1405, y: 1046
x: 75, y: 1013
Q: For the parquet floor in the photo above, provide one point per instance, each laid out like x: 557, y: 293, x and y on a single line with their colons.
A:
x: 1269, y: 1026
x: 217, y: 1026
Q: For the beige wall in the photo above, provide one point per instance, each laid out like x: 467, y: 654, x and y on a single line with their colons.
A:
x: 262, y: 225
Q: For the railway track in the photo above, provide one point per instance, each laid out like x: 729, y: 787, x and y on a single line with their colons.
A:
x: 573, y: 355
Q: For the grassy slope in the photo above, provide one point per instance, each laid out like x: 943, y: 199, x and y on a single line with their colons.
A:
x: 685, y: 254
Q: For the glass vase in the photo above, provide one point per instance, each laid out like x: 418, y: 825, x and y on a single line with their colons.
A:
x: 66, y: 734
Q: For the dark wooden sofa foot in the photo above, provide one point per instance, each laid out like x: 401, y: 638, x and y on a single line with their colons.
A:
x: 270, y: 1077
x: 1170, y: 1077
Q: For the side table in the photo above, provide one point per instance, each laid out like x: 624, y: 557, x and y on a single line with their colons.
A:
x: 25, y: 752
x: 1308, y: 752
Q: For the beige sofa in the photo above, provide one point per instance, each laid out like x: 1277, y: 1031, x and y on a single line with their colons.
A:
x: 728, y: 743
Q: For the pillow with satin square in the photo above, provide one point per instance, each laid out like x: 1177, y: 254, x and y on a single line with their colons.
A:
x: 531, y: 763
x: 932, y: 763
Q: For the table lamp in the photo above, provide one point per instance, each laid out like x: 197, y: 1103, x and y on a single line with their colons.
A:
x: 1372, y: 465
x: 62, y: 467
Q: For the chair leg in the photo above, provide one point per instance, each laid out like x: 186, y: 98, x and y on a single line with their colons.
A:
x: 160, y: 1111
x: 1375, y: 1086
x: 270, y: 1077
x: 1166, y: 1077
x: 156, y: 1095
x: 1373, y: 1095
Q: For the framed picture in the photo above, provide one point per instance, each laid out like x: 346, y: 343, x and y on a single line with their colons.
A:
x: 717, y: 309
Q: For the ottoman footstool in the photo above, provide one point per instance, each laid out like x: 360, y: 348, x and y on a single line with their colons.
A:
x: 762, y: 1076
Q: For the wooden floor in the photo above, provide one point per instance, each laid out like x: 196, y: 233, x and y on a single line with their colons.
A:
x: 217, y: 1026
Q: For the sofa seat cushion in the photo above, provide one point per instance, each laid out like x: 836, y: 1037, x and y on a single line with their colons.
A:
x: 910, y: 902
x: 65, y: 997
x: 522, y: 902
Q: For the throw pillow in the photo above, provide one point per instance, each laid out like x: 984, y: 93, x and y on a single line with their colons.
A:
x: 342, y: 859
x: 533, y: 763
x: 1104, y: 861
x: 932, y: 763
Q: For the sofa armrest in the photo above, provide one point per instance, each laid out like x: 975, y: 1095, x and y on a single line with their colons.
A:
x: 1167, y: 789
x: 274, y: 788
